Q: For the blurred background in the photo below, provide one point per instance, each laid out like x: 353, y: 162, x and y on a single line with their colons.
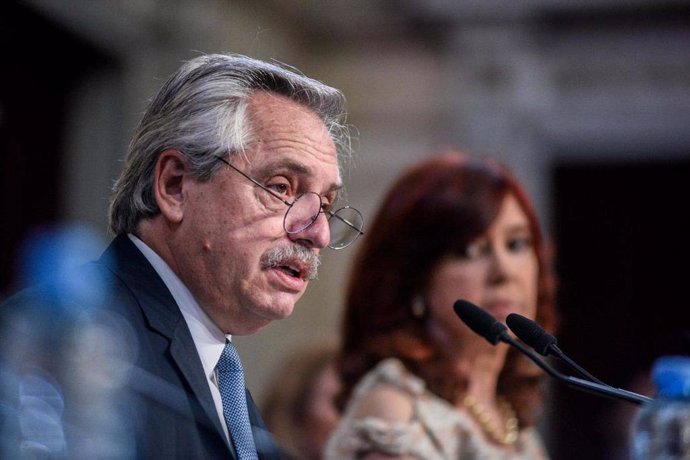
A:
x: 587, y: 101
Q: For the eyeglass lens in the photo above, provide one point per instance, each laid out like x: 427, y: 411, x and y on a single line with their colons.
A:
x: 345, y: 224
x: 303, y: 212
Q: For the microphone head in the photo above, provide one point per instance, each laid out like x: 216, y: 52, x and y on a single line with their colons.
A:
x: 531, y: 333
x: 479, y: 321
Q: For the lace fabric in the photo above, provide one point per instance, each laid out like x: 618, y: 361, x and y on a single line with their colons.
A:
x: 437, y: 429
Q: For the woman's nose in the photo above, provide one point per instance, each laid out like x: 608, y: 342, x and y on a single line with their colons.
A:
x: 499, y: 266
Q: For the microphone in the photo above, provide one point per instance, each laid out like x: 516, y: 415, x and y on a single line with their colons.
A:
x: 543, y: 343
x: 485, y: 325
x: 480, y: 321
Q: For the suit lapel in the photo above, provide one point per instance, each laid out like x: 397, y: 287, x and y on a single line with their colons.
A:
x: 184, y: 353
x: 163, y: 315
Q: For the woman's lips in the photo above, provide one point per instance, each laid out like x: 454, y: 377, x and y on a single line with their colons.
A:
x: 501, y: 309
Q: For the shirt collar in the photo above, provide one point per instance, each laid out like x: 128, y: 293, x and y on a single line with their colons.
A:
x: 208, y: 338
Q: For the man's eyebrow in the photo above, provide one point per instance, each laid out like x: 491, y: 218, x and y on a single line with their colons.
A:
x: 285, y: 164
x: 295, y: 167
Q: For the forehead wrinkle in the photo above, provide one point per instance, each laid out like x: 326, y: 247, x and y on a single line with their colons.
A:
x: 302, y: 142
x: 281, y: 116
x: 283, y: 127
x: 285, y: 122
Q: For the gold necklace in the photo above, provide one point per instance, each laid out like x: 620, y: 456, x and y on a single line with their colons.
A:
x: 505, y: 437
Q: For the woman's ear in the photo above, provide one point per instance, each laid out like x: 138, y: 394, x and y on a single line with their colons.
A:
x: 168, y: 183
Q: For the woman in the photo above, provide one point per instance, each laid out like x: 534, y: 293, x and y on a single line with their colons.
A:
x: 418, y: 382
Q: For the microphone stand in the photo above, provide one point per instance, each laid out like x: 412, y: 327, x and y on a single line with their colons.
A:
x: 577, y: 383
x: 543, y: 343
x: 492, y: 330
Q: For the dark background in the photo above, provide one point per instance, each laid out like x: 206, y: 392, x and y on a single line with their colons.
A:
x: 623, y: 250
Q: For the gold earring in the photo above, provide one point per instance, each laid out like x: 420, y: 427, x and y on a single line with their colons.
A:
x: 418, y: 307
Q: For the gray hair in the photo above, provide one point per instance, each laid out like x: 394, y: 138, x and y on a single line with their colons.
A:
x: 201, y: 111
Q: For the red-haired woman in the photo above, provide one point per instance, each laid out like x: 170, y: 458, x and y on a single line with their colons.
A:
x: 417, y: 382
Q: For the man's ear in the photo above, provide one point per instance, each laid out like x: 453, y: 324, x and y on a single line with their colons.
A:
x: 168, y: 183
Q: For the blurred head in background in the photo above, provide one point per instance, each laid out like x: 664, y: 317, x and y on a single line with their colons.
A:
x: 300, y: 407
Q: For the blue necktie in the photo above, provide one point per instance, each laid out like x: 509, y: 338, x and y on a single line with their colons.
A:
x: 232, y: 392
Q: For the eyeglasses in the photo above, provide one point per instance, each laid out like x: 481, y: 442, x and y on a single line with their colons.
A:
x: 345, y: 224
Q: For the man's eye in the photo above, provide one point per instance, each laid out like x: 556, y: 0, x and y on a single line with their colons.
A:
x: 281, y: 188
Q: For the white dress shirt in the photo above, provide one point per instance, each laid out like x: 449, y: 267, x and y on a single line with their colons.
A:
x: 208, y: 338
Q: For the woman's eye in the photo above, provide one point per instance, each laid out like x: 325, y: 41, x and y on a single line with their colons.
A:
x: 520, y: 243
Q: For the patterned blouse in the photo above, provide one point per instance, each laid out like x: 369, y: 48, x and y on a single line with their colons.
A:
x: 437, y: 430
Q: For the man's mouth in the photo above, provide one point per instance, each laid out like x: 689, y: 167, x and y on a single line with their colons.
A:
x: 295, y: 261
x: 290, y: 270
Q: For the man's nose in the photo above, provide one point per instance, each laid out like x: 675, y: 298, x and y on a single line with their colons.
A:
x: 317, y: 235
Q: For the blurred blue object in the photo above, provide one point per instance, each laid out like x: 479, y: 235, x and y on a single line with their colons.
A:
x: 51, y: 255
x: 41, y: 417
x: 65, y: 356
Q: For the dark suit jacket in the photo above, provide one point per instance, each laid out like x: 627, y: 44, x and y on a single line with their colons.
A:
x: 166, y: 406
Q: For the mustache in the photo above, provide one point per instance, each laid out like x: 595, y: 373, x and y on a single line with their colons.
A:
x: 283, y: 255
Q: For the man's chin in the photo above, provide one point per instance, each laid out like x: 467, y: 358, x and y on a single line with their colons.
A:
x: 280, y: 307
x: 262, y: 316
x: 282, y: 311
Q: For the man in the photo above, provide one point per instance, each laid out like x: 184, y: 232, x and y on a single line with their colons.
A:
x: 220, y: 213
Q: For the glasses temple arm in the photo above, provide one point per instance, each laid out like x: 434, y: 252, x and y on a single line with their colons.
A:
x: 259, y: 184
x: 350, y: 224
x: 254, y: 181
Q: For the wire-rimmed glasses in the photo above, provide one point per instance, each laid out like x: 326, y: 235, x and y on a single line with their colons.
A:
x: 345, y: 224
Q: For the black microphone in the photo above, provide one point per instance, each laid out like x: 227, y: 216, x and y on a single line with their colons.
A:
x: 485, y: 325
x: 480, y: 321
x: 543, y: 343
